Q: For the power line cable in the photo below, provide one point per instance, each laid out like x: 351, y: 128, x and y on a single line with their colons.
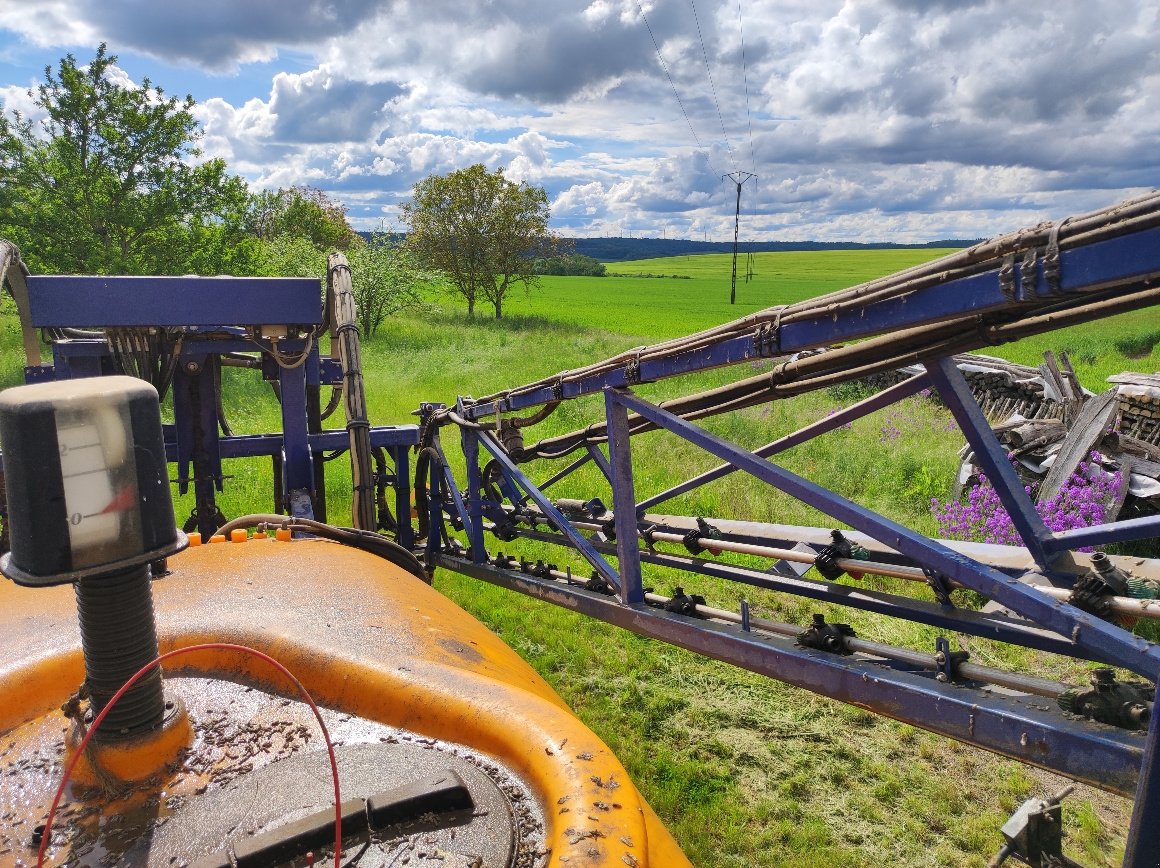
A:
x: 712, y: 86
x: 745, y: 78
x: 672, y: 84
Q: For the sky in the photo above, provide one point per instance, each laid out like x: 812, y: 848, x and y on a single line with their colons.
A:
x: 864, y: 120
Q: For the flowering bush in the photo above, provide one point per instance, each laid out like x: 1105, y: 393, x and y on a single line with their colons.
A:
x: 1082, y: 502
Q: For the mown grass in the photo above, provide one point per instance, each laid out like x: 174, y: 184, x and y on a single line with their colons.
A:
x: 746, y: 771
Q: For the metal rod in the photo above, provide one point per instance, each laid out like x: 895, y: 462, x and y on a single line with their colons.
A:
x: 1137, y: 607
x: 966, y: 669
x: 831, y: 423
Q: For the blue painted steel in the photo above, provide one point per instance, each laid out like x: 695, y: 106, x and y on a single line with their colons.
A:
x: 992, y: 457
x: 594, y: 452
x: 452, y: 487
x: 1084, y: 629
x: 832, y: 422
x: 1100, y: 755
x: 73, y: 301
x: 1143, y: 845
x: 335, y: 440
x: 623, y: 500
x: 1131, y: 257
x: 561, y: 474
x: 960, y: 620
x: 577, y: 539
x: 406, y: 536
x: 474, y: 526
x: 1130, y: 529
x: 298, y: 468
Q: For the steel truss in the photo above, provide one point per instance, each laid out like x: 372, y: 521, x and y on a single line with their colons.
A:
x: 1017, y: 293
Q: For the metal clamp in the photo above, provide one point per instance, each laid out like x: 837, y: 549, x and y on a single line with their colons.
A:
x: 948, y: 661
x: 1007, y: 276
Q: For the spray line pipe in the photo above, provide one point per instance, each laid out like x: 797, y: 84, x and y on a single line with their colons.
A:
x: 966, y: 669
x: 1132, y: 606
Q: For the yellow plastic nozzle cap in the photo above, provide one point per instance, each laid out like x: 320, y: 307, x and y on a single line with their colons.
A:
x: 239, y: 534
x: 195, y: 538
x: 283, y: 534
x: 218, y: 538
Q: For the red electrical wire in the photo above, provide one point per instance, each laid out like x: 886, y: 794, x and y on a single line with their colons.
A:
x: 208, y: 646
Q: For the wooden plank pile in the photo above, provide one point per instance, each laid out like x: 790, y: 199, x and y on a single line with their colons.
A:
x: 1050, y: 424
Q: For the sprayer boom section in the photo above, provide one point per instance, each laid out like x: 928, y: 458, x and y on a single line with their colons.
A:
x: 1044, y: 595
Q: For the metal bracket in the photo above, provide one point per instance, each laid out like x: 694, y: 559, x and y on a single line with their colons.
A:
x: 1007, y: 276
x: 938, y: 583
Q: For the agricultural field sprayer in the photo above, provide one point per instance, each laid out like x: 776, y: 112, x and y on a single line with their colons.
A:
x: 374, y: 644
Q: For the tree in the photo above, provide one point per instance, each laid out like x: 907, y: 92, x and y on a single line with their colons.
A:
x: 386, y: 280
x: 483, y: 230
x: 107, y: 181
x: 305, y: 212
x: 571, y: 265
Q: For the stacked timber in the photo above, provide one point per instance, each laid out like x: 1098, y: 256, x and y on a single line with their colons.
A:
x: 1050, y: 425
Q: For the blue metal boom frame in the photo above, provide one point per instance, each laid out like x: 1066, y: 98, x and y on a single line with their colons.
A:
x: 200, y: 320
x: 1121, y: 269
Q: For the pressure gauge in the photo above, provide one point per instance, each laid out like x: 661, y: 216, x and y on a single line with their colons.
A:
x: 86, y: 479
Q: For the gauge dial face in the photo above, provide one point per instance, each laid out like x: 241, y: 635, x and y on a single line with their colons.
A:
x: 91, y: 500
x: 100, y: 482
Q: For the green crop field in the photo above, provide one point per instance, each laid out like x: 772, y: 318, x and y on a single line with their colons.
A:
x: 745, y: 771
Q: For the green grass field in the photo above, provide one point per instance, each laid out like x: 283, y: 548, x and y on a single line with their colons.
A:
x: 746, y: 771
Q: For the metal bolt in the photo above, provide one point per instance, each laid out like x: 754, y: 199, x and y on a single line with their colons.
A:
x: 192, y: 367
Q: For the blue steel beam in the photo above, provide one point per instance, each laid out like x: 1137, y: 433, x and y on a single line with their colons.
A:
x: 623, y: 501
x: 1124, y: 263
x: 1100, y: 755
x: 560, y: 474
x: 95, y: 301
x: 601, y: 461
x: 831, y: 423
x: 1143, y: 845
x: 992, y: 457
x: 474, y: 525
x: 1128, y: 530
x: 335, y: 440
x: 578, y: 541
x: 1088, y: 631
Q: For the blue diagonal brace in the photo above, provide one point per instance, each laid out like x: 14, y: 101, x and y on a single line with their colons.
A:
x: 578, y: 540
x: 992, y: 457
x: 842, y: 417
x: 1112, y: 643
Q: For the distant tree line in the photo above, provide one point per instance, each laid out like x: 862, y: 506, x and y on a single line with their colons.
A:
x: 622, y: 249
x: 570, y: 265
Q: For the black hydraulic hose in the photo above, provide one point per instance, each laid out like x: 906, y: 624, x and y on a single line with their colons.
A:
x: 362, y: 539
x: 422, y: 503
x: 911, y: 346
x: 332, y: 404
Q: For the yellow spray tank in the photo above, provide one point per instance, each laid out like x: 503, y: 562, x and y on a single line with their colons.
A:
x: 451, y: 751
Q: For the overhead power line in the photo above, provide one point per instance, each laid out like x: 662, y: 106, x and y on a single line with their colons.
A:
x: 672, y: 84
x: 712, y: 86
x: 745, y: 78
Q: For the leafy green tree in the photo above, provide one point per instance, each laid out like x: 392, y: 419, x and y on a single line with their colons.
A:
x: 305, y: 212
x: 387, y: 279
x: 384, y: 274
x: 484, y: 231
x: 108, y: 181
